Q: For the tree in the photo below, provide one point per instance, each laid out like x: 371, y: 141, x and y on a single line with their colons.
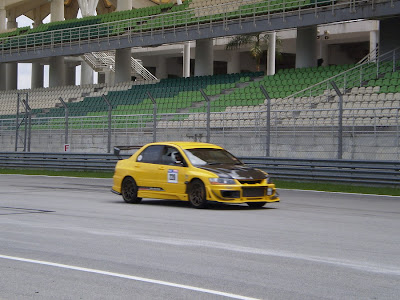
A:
x: 257, y: 41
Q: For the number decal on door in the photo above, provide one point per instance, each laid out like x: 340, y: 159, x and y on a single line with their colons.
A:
x: 172, y: 176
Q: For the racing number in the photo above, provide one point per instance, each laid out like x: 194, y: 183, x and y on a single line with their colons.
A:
x: 172, y: 176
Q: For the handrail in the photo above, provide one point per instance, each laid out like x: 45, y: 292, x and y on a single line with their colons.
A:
x: 371, y: 56
x: 166, y: 22
x: 106, y: 59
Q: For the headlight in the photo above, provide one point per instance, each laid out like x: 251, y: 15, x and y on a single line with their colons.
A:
x: 221, y: 181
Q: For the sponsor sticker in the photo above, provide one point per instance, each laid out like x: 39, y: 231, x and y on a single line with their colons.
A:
x: 172, y: 176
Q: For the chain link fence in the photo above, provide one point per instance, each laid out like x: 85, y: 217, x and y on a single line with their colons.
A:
x: 368, y: 133
x: 353, y: 114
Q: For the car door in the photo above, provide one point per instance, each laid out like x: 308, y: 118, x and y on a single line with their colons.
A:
x: 173, y: 168
x: 147, y: 169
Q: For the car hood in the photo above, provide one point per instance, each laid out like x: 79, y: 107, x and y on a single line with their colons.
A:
x: 234, y: 171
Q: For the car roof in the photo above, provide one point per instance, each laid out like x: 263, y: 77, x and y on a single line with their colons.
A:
x: 188, y: 145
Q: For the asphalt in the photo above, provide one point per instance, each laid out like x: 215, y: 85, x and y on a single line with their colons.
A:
x: 71, y: 238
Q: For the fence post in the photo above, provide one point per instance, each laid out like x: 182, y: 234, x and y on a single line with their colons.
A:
x: 66, y: 120
x: 268, y: 133
x: 109, y: 122
x: 208, y: 113
x: 154, y: 117
x: 17, y: 124
x: 27, y: 124
x: 340, y: 121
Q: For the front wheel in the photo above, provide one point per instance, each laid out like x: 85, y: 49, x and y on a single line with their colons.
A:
x: 197, y: 194
x: 129, y: 191
x: 256, y: 204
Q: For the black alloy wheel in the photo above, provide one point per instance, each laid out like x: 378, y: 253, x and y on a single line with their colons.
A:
x: 197, y: 194
x: 129, y: 191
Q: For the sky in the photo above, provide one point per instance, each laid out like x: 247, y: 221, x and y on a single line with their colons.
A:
x: 25, y: 69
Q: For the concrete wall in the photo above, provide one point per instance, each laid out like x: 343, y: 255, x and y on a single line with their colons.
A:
x: 246, y: 142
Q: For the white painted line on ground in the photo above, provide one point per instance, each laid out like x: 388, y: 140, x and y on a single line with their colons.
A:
x: 124, y: 276
x: 340, y: 193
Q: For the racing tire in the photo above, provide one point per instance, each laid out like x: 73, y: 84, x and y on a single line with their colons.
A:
x: 256, y: 204
x: 129, y: 191
x: 197, y: 194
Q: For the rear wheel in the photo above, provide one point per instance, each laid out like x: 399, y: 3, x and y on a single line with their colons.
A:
x: 197, y: 194
x: 256, y: 204
x: 129, y: 191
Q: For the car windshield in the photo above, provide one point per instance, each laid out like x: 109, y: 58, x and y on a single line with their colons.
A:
x: 210, y: 156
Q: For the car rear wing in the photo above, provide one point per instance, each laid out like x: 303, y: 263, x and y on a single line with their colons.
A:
x: 118, y: 149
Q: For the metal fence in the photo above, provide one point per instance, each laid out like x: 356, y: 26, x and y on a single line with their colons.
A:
x: 367, y: 133
x: 345, y: 117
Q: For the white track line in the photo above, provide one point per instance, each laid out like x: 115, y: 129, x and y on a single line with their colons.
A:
x: 130, y: 277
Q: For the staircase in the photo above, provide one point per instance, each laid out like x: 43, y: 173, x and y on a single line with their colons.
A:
x: 105, y: 61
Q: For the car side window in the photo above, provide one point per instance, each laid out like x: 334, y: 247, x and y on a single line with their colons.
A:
x: 151, y: 155
x: 171, y: 156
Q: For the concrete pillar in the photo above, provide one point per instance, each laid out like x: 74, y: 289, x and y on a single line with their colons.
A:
x: 271, y: 54
x: 323, y: 48
x: 37, y: 78
x: 56, y: 71
x: 86, y: 73
x: 2, y: 19
x: 373, y: 42
x: 56, y: 10
x: 161, y: 68
x: 12, y: 76
x: 57, y: 66
x: 204, y: 58
x: 88, y: 8
x: 122, y: 65
x: 2, y: 28
x: 3, y: 77
x: 306, y: 47
x: 11, y: 68
x: 234, y: 63
x: 101, y: 78
x: 37, y: 75
x: 70, y: 74
x: 109, y: 77
x: 186, y: 60
x: 124, y: 5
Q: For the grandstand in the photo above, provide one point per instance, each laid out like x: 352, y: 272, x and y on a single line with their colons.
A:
x: 302, y: 112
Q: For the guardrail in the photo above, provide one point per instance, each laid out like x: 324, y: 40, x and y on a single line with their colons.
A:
x: 330, y: 170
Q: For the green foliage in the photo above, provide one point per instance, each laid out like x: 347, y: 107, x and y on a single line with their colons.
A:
x: 257, y: 42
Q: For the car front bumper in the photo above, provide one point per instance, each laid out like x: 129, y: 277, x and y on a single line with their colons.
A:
x: 242, y: 193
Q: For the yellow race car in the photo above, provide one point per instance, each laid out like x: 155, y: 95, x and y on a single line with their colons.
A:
x: 191, y: 171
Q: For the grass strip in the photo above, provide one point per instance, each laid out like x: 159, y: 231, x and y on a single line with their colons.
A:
x: 59, y: 173
x: 283, y: 184
x: 338, y: 187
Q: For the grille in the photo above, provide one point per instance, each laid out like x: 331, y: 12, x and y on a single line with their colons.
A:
x: 253, y: 192
x: 250, y: 181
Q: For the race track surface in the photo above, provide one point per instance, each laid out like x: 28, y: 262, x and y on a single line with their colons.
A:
x: 71, y: 238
